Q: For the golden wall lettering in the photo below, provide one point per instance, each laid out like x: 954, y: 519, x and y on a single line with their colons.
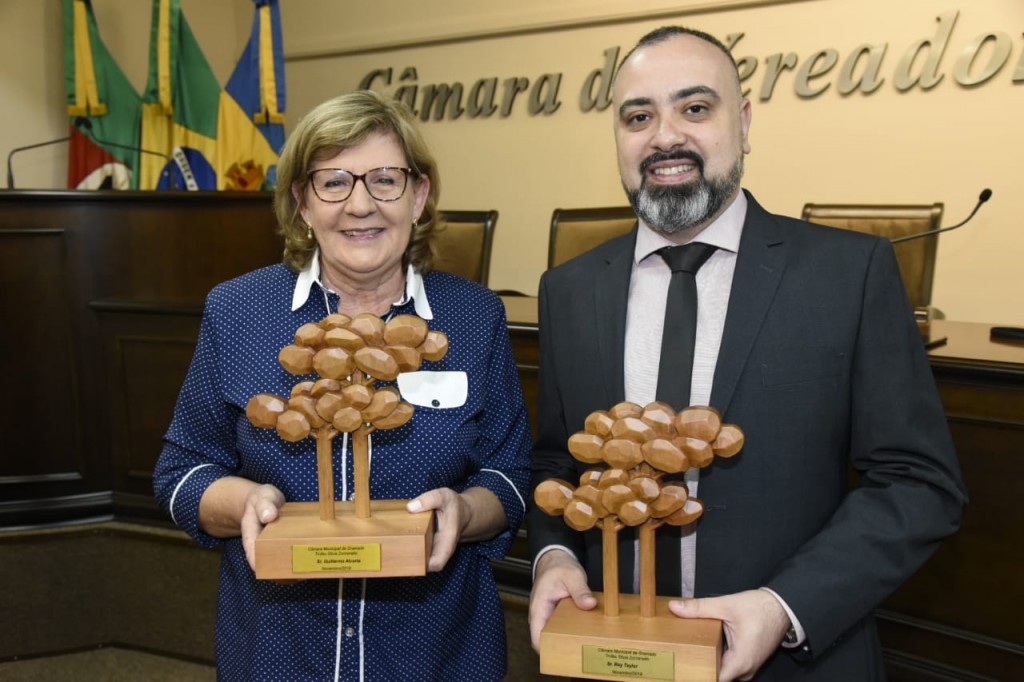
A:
x: 934, y: 48
x: 1002, y: 46
x: 440, y: 101
x: 922, y: 65
x: 601, y: 79
x: 869, y: 79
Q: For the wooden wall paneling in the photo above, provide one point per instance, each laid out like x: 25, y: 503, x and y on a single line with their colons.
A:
x: 156, y: 247
x: 147, y: 352
x: 92, y: 585
x: 522, y: 328
x: 963, y: 608
x: 514, y: 572
x: 155, y: 251
x: 40, y: 419
x: 527, y: 362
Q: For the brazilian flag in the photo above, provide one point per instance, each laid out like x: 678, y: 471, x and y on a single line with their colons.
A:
x: 179, y: 106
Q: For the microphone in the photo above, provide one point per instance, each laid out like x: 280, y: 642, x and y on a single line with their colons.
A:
x: 996, y: 334
x: 10, y: 172
x: 985, y: 195
x: 85, y: 125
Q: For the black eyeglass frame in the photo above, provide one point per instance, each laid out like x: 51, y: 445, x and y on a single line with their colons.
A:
x: 406, y: 173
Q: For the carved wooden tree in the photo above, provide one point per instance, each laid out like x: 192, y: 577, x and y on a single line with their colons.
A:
x: 639, y: 445
x: 350, y: 355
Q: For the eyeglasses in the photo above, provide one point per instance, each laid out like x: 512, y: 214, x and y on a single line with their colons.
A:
x: 384, y: 184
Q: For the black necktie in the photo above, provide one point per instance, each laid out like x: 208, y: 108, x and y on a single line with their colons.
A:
x: 674, y: 372
x: 679, y: 338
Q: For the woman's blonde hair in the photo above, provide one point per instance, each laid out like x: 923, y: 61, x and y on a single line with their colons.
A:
x: 337, y: 124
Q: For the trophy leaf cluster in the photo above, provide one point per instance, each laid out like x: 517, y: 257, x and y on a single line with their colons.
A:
x: 349, y: 355
x: 638, y: 446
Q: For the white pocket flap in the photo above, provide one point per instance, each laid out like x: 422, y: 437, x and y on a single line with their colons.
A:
x: 434, y: 389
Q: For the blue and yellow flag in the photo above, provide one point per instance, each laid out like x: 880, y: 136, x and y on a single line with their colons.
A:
x: 180, y: 104
x: 104, y: 108
x: 250, y: 130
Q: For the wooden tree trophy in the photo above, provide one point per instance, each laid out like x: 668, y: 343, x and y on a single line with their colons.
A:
x: 634, y: 636
x: 362, y: 538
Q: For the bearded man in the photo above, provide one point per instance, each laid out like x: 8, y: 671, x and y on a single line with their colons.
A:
x: 804, y: 338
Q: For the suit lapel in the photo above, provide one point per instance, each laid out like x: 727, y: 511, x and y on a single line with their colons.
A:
x: 611, y: 292
x: 610, y: 296
x: 759, y: 267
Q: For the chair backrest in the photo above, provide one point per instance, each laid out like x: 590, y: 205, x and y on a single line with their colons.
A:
x: 464, y: 243
x: 916, y: 256
x: 577, y: 230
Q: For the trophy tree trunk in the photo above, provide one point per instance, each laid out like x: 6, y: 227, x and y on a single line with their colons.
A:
x: 610, y: 556
x: 325, y: 473
x: 648, y: 587
x: 361, y: 464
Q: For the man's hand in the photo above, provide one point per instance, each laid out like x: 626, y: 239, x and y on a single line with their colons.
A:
x: 557, y: 576
x: 754, y: 623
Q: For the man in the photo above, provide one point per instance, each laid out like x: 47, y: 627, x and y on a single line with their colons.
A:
x: 804, y: 339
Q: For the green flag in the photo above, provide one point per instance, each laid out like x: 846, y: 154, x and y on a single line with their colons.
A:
x: 180, y: 104
x: 105, y: 109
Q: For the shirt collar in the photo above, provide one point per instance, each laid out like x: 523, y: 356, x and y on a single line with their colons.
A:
x: 414, y: 288
x: 724, y: 232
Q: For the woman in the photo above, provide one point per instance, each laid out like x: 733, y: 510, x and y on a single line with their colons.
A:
x: 356, y: 201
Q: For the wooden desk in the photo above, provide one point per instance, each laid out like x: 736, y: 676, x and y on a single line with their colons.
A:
x: 968, y: 346
x: 964, y: 608
x: 959, y: 617
x: 521, y: 312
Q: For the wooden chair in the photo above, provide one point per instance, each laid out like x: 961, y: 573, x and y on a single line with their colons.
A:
x: 916, y: 257
x: 463, y: 243
x: 577, y: 230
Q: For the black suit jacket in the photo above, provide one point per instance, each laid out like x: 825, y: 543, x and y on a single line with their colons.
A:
x: 822, y: 366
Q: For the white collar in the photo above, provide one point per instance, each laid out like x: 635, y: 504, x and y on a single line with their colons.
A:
x: 414, y: 289
x: 724, y: 233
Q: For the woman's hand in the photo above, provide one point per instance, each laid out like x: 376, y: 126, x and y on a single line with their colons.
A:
x: 471, y: 516
x: 234, y: 506
x: 262, y: 505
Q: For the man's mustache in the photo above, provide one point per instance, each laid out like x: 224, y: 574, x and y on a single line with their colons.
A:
x: 678, y: 155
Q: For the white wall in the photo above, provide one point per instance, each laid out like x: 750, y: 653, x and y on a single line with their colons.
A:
x: 944, y: 144
x: 32, y: 75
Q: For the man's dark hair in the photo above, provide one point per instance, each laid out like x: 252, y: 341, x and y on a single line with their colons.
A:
x: 663, y: 33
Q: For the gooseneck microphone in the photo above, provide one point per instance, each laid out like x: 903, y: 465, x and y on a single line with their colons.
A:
x: 985, y: 195
x: 997, y: 333
x: 85, y: 125
x: 10, y: 172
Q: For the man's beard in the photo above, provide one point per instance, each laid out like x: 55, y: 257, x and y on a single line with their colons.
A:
x: 669, y: 209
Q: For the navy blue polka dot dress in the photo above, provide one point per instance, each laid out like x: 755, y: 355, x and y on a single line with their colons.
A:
x: 444, y: 626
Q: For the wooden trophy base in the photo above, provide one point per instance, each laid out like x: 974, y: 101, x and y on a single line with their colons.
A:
x: 391, y: 543
x: 591, y: 645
